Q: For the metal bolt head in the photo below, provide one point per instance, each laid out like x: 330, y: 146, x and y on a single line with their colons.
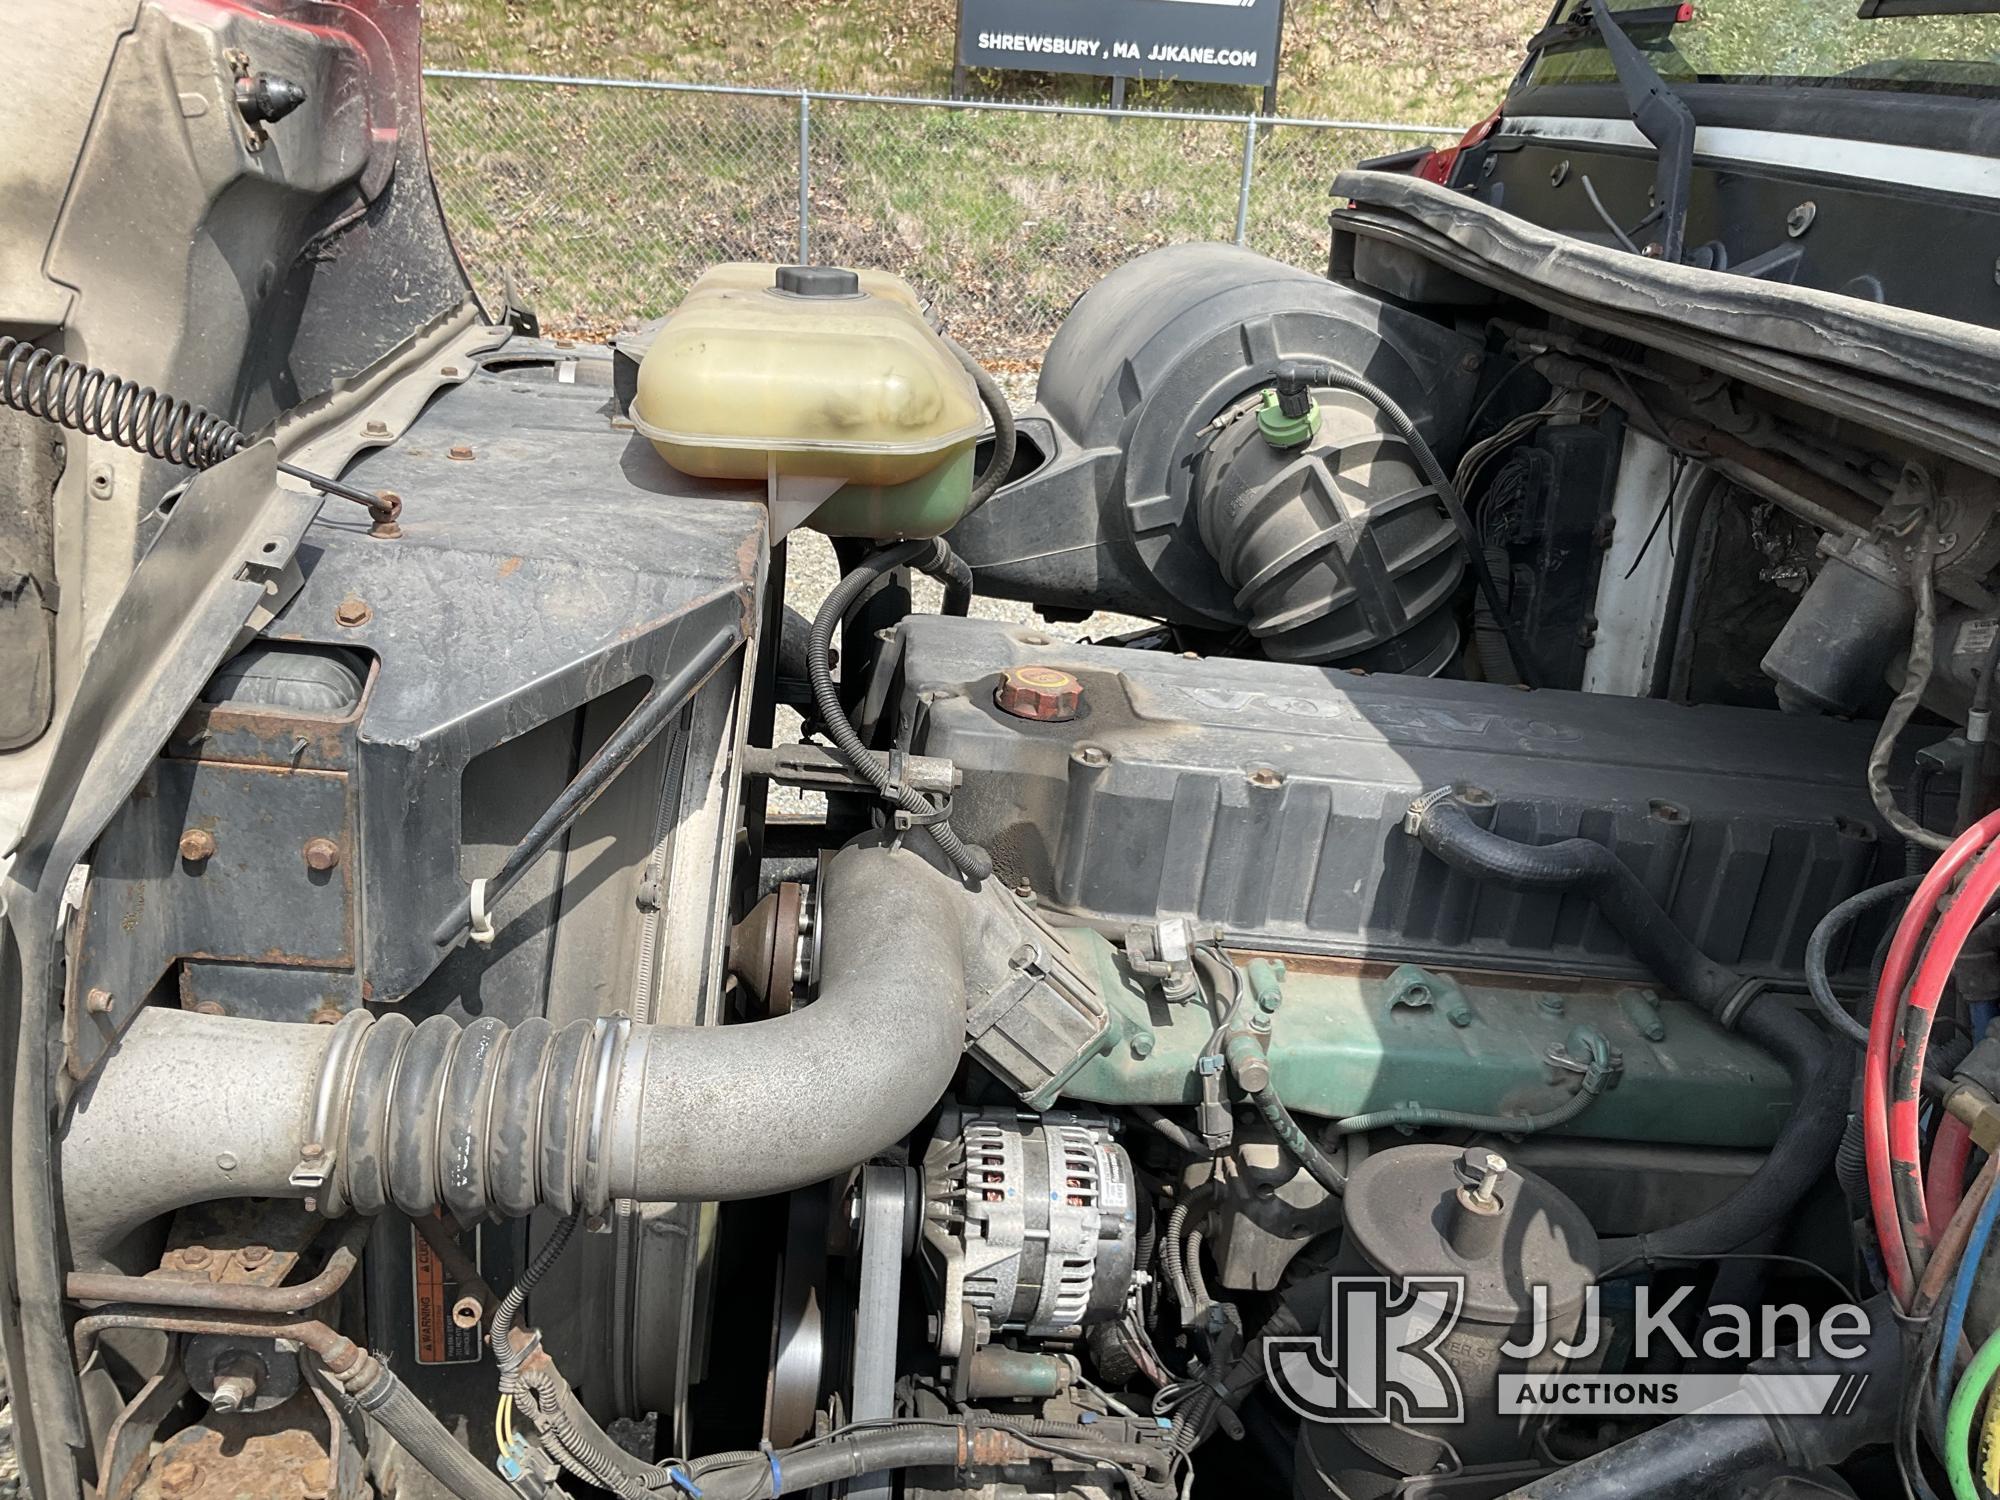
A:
x: 386, y: 513
x: 194, y: 1257
x: 1480, y: 1168
x: 374, y: 427
x: 312, y: 1151
x: 1090, y: 755
x: 233, y: 1392
x: 1800, y: 219
x: 352, y: 611
x: 1044, y: 694
x: 181, y: 1477
x: 321, y: 854
x: 98, y: 1002
x: 1142, y: 1044
x: 197, y: 844
x: 460, y: 451
x: 253, y: 1256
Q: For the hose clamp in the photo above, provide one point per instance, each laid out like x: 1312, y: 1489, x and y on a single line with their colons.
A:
x: 481, y: 931
x: 1417, y: 811
x: 1731, y: 1010
x: 326, y: 1130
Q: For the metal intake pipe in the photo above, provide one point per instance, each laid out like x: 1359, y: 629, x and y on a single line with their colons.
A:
x: 377, y: 1112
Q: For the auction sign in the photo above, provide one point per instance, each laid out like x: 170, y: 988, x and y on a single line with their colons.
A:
x: 1202, y: 41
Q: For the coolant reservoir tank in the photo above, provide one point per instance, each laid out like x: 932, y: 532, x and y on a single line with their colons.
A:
x: 767, y: 371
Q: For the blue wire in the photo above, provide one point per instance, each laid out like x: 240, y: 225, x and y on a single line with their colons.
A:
x: 1983, y: 1014
x: 1961, y: 1294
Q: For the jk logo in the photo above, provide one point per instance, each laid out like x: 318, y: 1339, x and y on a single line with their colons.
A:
x: 1379, y: 1359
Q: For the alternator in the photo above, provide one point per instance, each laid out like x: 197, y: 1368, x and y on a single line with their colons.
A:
x: 1031, y: 1222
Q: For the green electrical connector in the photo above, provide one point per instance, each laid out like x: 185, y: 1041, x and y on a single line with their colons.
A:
x: 1282, y: 424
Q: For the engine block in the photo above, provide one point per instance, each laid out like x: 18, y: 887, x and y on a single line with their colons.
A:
x: 1268, y: 799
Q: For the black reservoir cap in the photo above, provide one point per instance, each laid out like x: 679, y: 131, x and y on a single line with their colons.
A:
x: 818, y: 281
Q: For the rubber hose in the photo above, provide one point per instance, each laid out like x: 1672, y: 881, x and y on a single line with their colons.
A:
x: 1820, y: 1074
x: 1318, y: 1165
x: 872, y: 766
x: 1447, y: 493
x: 425, y: 1439
x: 1172, y: 1131
x: 955, y: 573
x: 1819, y: 949
x: 1578, y: 866
x: 1001, y: 461
x: 574, y: 1119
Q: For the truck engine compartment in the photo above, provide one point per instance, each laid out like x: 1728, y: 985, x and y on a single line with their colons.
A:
x: 1549, y: 772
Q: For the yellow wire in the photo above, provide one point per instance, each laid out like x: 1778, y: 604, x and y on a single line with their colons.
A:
x: 1989, y: 1446
x: 503, y: 1424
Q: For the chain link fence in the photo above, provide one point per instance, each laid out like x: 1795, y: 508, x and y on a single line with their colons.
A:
x: 601, y: 200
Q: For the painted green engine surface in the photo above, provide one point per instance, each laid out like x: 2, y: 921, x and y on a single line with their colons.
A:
x: 1345, y: 1043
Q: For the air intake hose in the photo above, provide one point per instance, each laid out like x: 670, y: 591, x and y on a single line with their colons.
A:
x: 375, y: 1112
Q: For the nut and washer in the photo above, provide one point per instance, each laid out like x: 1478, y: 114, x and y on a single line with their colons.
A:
x: 321, y: 854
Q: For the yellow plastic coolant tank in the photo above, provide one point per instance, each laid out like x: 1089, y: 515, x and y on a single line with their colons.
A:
x: 815, y: 372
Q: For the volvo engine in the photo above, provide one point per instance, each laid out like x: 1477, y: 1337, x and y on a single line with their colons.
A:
x: 513, y: 993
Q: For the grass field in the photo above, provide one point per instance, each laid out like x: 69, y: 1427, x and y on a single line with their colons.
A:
x: 602, y: 205
x: 1425, y: 60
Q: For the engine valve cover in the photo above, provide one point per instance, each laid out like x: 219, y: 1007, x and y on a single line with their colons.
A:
x: 1268, y: 798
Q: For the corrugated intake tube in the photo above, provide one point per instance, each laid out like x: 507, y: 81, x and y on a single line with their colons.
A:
x: 375, y: 1113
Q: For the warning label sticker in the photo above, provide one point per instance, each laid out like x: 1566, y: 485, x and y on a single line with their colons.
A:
x: 441, y: 1338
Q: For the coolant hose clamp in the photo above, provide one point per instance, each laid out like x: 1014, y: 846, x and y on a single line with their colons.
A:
x: 1731, y: 1010
x: 1414, y: 815
x: 481, y: 931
